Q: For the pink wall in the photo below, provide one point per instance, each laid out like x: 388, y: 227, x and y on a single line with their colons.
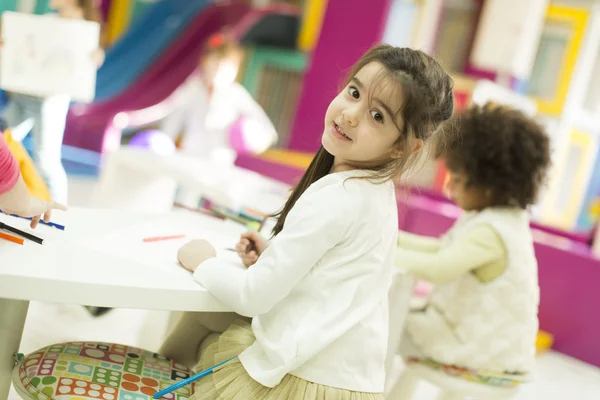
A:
x: 350, y: 27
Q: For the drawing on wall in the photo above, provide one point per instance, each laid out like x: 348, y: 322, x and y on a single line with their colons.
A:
x: 46, y: 55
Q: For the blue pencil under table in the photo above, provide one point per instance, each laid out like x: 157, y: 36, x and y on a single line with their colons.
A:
x: 97, y: 371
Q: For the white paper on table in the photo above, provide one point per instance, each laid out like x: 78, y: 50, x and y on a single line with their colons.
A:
x: 44, y: 55
x: 128, y: 243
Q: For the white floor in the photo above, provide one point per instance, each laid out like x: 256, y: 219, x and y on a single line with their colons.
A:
x: 557, y: 377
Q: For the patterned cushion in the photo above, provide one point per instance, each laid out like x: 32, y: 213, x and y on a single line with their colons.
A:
x: 105, y: 371
x: 479, y: 376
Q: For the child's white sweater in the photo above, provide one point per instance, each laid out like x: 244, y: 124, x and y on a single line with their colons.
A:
x: 472, y: 321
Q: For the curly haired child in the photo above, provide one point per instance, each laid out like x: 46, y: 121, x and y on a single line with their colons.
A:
x: 482, y: 314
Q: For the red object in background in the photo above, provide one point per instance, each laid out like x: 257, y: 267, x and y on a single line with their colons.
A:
x: 216, y: 40
x: 461, y: 100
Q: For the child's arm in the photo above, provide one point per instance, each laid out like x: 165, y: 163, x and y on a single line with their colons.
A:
x: 14, y: 195
x: 249, y: 108
x: 9, y: 168
x: 172, y: 111
x: 411, y: 241
x: 315, y: 225
x: 478, y: 248
x: 32, y: 179
x: 98, y: 57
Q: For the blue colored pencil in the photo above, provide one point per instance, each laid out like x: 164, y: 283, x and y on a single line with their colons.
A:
x: 51, y: 224
x: 191, y: 379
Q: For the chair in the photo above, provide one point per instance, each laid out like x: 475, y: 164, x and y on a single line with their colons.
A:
x: 94, y: 370
x: 450, y: 388
x: 404, y: 387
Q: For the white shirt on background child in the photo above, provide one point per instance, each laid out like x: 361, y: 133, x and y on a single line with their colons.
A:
x: 206, y: 119
x: 489, y: 326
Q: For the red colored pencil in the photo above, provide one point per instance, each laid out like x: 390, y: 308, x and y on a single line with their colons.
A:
x: 161, y: 238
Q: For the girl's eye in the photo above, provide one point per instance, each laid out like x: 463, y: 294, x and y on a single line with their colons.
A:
x: 352, y: 91
x: 377, y: 116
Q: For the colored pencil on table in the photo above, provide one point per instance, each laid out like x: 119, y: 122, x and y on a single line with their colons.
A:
x: 19, y: 232
x: 161, y: 238
x: 11, y: 238
x: 50, y: 224
x: 230, y: 216
x: 191, y: 379
x: 204, y: 211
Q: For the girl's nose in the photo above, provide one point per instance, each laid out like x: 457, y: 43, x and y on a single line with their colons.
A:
x: 349, y: 116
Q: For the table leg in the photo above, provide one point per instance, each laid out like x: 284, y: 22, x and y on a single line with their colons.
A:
x: 12, y: 321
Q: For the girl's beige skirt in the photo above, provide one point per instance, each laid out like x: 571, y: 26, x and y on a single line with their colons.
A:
x: 232, y: 382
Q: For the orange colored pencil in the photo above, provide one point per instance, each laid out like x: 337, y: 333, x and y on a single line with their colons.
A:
x: 11, y: 238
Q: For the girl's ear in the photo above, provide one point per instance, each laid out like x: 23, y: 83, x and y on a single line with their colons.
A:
x: 415, y: 146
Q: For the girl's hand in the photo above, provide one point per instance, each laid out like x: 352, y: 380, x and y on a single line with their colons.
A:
x: 194, y: 253
x: 18, y: 201
x: 250, y: 247
x: 98, y: 56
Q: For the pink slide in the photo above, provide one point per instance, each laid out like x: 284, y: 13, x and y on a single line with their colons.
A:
x: 86, y: 124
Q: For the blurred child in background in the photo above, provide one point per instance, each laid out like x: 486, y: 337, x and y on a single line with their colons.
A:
x: 49, y: 114
x: 207, y: 105
x: 201, y: 116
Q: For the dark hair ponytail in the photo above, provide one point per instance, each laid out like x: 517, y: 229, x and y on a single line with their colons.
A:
x: 320, y: 166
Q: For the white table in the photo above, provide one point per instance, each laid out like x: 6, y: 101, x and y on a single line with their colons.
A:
x: 137, y: 179
x: 66, y: 270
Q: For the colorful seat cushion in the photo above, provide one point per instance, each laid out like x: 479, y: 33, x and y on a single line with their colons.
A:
x: 477, y: 376
x: 105, y: 371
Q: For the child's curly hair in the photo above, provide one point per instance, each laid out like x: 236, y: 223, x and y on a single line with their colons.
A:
x: 501, y: 150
